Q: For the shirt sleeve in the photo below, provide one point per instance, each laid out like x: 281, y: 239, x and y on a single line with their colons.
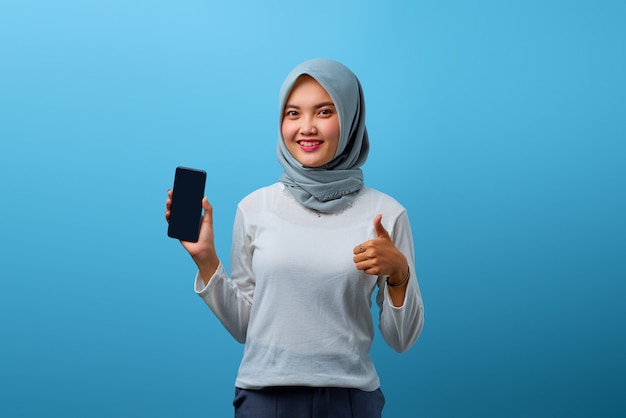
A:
x: 230, y: 299
x: 401, y: 326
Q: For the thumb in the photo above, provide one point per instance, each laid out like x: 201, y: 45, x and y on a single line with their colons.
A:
x: 208, y: 210
x: 380, y: 230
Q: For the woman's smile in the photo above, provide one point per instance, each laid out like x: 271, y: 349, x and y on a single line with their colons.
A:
x: 309, y: 145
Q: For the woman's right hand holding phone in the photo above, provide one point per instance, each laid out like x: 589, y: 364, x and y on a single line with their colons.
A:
x: 203, y: 252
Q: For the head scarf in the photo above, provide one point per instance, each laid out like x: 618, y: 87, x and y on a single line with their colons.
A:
x: 334, y: 186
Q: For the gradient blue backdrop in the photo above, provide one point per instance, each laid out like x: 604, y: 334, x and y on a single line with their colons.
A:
x: 499, y: 125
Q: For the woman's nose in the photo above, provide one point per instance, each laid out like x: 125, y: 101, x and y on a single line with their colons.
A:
x: 308, y: 126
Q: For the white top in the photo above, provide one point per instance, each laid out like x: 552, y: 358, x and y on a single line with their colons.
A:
x: 296, y: 298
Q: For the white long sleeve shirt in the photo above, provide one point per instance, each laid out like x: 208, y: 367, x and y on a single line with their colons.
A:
x: 296, y: 299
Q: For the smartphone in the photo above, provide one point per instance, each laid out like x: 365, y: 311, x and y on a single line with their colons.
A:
x: 186, y: 208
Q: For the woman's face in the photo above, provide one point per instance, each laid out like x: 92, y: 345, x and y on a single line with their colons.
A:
x: 310, y: 124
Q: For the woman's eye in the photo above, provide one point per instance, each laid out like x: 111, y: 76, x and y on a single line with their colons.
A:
x: 291, y: 113
x: 326, y: 112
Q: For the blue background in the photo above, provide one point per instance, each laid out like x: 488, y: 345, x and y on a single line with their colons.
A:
x: 499, y: 125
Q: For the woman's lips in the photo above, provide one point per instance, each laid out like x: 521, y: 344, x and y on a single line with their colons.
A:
x: 309, y: 145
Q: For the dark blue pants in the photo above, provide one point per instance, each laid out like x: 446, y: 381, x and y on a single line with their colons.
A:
x: 308, y: 402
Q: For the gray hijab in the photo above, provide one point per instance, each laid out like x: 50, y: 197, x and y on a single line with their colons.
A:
x: 333, y: 186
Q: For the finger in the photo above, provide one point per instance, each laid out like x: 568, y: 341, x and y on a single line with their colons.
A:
x: 208, y: 209
x: 380, y: 230
x: 358, y: 249
x: 168, y: 205
x: 368, y: 267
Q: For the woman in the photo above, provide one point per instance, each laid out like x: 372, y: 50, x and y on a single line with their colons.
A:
x: 307, y: 254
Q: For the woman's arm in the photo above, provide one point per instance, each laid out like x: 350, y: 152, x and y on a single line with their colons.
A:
x: 231, y: 301
x: 401, y: 323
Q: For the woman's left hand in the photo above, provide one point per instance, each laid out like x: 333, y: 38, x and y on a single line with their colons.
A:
x: 379, y: 256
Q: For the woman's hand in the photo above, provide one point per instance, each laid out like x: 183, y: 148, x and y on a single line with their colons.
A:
x: 203, y: 252
x: 380, y: 257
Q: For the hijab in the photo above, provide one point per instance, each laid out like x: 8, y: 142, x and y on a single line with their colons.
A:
x: 333, y: 186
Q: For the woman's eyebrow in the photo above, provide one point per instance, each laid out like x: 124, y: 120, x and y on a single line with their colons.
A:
x: 315, y: 106
x: 325, y: 104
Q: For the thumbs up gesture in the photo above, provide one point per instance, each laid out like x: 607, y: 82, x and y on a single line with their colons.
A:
x: 379, y: 256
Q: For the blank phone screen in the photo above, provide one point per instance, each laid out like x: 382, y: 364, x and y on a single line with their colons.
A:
x: 186, y: 209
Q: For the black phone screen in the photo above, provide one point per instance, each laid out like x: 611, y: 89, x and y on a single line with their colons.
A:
x: 186, y: 208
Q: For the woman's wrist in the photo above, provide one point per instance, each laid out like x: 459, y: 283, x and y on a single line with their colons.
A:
x: 207, y: 267
x: 399, y: 282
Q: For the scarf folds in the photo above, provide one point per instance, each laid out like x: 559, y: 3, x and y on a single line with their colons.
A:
x: 334, y: 186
